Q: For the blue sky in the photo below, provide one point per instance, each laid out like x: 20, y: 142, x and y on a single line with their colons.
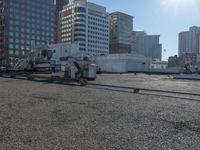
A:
x: 164, y: 17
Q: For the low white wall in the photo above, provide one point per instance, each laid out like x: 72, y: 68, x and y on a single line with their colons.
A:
x: 123, y: 63
x: 112, y: 66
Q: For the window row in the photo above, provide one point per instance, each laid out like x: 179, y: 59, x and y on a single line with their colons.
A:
x: 98, y: 29
x: 28, y: 20
x: 98, y: 33
x: 12, y: 34
x: 97, y: 37
x: 98, y: 51
x: 34, y: 17
x: 98, y: 24
x: 98, y: 47
x: 98, y: 20
x: 41, y: 33
x: 17, y: 46
x: 97, y: 42
x: 32, y: 27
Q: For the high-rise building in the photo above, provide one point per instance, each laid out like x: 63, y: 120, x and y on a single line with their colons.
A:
x: 24, y: 23
x: 121, y: 27
x: 147, y: 45
x: 2, y: 34
x: 59, y: 6
x: 87, y: 24
x: 189, y: 41
x: 133, y: 44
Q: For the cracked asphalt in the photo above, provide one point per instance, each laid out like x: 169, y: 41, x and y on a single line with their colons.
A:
x: 46, y: 116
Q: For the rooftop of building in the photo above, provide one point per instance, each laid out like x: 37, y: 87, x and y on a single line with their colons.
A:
x: 44, y: 115
x: 94, y: 6
x: 192, y: 28
x: 121, y: 13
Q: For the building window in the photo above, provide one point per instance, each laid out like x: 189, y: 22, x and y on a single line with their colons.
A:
x: 10, y: 52
x: 16, y: 52
x: 11, y: 40
x: 80, y: 9
x: 11, y: 46
x: 16, y: 46
x: 16, y: 40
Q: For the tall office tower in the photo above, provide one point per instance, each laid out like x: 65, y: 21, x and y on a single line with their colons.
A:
x: 121, y: 27
x: 133, y: 42
x: 2, y: 26
x: 147, y: 45
x: 59, y: 6
x: 189, y: 41
x: 25, y: 23
x: 87, y: 24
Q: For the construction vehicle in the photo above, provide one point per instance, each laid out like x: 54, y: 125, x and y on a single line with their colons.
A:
x: 75, y: 67
x: 70, y: 66
x: 39, y: 59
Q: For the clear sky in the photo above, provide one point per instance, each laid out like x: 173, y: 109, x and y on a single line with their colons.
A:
x: 164, y: 17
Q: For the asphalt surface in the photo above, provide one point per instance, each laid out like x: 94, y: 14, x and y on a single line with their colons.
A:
x: 48, y: 116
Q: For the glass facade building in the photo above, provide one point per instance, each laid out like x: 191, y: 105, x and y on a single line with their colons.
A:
x: 25, y: 23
